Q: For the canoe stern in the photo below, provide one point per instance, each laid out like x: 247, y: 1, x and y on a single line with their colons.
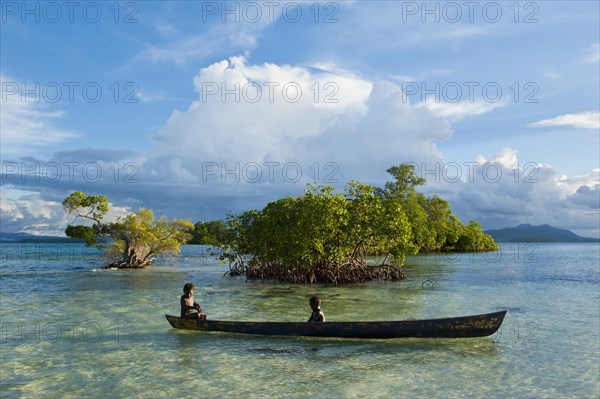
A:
x: 185, y: 324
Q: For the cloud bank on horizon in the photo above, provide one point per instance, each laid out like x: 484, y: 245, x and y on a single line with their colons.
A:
x: 213, y: 107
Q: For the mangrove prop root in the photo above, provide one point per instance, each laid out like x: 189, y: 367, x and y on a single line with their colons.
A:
x: 128, y: 264
x: 350, y: 270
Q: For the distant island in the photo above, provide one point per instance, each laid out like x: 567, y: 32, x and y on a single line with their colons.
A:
x: 30, y: 238
x: 544, y: 233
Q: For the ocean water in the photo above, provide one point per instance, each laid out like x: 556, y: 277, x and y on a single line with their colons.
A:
x: 70, y: 329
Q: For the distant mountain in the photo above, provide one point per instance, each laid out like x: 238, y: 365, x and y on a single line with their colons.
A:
x: 543, y: 233
x: 27, y: 238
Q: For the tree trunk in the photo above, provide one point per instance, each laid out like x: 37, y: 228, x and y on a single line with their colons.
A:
x: 132, y: 263
x: 129, y: 260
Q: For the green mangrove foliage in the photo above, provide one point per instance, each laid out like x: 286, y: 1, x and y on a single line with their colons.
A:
x: 209, y: 233
x: 324, y: 236
x: 136, y: 239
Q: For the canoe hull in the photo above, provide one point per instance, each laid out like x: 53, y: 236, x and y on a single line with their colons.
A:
x: 454, y: 327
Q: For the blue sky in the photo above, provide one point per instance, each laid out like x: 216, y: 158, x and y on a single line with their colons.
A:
x: 198, y: 108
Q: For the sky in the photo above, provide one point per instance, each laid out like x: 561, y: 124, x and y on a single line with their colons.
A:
x: 199, y: 108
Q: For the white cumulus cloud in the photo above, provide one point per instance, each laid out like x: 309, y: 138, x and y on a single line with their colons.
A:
x: 501, y: 192
x: 29, y: 212
x: 581, y: 120
x: 280, y: 113
x: 459, y: 110
x: 27, y: 122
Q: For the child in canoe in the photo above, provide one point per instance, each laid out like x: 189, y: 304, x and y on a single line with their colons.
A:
x: 188, y: 305
x: 317, y: 313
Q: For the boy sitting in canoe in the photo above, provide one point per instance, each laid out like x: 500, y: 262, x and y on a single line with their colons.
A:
x: 188, y: 305
x: 317, y: 313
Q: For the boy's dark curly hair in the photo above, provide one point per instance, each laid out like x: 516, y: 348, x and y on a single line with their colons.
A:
x: 188, y: 287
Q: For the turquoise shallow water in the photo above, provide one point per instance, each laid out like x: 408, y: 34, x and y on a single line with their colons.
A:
x: 70, y: 329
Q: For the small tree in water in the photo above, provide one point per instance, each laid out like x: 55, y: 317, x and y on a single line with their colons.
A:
x: 137, y: 238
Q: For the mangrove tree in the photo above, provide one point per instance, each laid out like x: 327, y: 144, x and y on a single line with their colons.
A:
x: 134, y: 240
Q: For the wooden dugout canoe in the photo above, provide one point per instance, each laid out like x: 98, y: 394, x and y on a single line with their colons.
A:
x: 453, y: 327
